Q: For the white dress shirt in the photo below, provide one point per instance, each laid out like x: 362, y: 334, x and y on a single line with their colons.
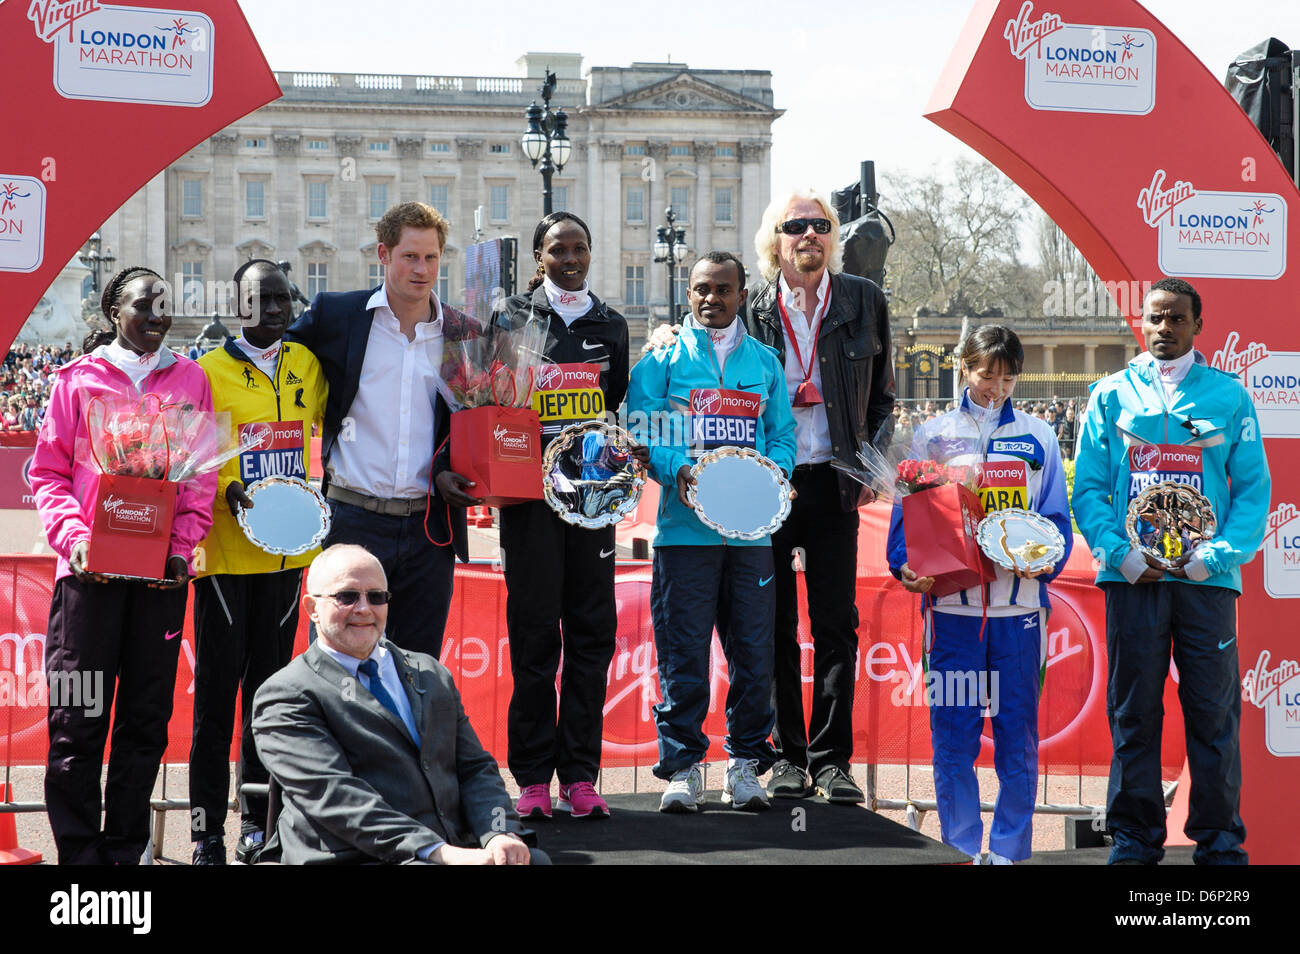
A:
x: 812, y: 432
x: 387, y: 675
x: 391, y: 451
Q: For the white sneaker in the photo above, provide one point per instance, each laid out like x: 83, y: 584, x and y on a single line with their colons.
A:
x: 685, y: 792
x: 996, y: 859
x: 741, y: 789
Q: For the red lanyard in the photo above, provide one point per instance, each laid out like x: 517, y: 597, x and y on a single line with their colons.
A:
x: 806, y: 394
x: 794, y: 342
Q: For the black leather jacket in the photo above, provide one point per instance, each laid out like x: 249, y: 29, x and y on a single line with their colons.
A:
x: 857, y: 365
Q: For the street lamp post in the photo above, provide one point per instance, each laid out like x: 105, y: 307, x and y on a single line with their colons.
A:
x: 670, y: 248
x: 98, y: 263
x: 547, y: 139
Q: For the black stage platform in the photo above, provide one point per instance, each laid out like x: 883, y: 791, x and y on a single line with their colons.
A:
x: 793, y: 832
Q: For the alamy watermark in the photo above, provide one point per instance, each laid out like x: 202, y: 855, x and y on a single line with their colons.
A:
x: 1088, y: 298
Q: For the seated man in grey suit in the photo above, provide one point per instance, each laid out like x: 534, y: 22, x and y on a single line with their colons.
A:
x: 370, y: 744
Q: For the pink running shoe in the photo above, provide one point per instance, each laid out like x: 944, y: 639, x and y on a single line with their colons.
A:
x: 534, y: 801
x: 580, y: 800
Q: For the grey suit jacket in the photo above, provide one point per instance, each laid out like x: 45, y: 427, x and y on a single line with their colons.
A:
x: 355, y: 787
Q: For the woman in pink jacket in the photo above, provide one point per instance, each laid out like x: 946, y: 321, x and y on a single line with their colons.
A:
x: 113, y: 637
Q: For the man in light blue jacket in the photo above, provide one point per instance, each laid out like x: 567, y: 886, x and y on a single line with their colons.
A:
x: 714, y: 386
x: 1170, y: 417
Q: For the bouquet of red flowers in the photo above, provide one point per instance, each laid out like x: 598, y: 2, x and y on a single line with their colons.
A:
x: 497, y: 369
x: 940, y: 514
x: 918, y: 475
x: 143, y: 449
x: 496, y: 434
x: 149, y: 439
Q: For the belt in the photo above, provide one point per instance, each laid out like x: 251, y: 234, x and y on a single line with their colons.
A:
x: 809, y: 468
x: 401, y: 507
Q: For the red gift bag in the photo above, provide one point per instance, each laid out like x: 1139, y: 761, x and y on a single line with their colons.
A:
x: 132, y: 530
x: 500, y: 449
x: 939, y: 526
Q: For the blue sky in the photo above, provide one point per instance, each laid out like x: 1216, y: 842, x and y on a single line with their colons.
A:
x: 853, y: 76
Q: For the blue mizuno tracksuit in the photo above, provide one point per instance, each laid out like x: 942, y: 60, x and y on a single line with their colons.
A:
x: 1001, y: 671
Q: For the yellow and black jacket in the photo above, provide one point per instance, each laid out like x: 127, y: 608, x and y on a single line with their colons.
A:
x: 283, y: 410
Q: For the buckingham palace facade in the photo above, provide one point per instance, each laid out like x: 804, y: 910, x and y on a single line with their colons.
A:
x: 305, y: 178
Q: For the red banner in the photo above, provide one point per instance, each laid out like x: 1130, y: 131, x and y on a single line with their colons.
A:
x: 891, y: 724
x: 82, y: 79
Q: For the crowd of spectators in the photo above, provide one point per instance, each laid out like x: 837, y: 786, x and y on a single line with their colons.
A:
x: 25, y: 381
x: 1062, y: 415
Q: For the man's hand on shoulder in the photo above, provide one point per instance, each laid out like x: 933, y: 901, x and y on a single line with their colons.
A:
x: 503, y: 849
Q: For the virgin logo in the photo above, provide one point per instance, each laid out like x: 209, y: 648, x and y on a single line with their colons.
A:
x: 706, y: 402
x: 499, y: 432
x: 112, y: 504
x: 1025, y: 36
x: 1155, y: 201
x: 1262, y: 684
x: 1229, y: 359
x: 549, y: 377
x: 258, y: 435
x: 1280, y: 517
x: 51, y: 16
x: 1146, y: 457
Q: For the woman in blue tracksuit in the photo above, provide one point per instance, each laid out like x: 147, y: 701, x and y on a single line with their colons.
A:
x: 986, y: 645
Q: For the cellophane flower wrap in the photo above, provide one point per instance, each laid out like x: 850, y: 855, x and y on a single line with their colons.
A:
x: 498, y: 368
x: 917, y: 475
x: 144, y: 437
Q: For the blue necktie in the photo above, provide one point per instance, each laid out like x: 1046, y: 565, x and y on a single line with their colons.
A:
x: 370, y: 669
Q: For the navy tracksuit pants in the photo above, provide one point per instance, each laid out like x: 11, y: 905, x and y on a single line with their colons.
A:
x: 692, y: 587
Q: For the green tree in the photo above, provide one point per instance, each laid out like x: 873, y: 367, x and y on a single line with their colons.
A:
x: 958, y: 247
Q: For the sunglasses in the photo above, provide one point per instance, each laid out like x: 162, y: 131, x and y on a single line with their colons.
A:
x: 799, y: 226
x: 350, y: 597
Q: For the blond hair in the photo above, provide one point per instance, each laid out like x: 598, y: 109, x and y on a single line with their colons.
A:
x: 415, y: 215
x: 765, y: 242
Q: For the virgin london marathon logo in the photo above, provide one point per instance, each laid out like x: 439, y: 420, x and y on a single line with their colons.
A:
x: 22, y: 223
x: 1209, y: 234
x: 1083, y: 67
x: 1277, y: 691
x: 1272, y: 378
x: 128, y: 54
x: 512, y: 444
x: 137, y: 517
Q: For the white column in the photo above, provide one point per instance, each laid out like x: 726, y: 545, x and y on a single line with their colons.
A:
x: 703, y: 198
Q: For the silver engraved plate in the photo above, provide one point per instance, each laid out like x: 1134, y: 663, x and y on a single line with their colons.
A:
x: 288, y: 516
x: 1169, y: 520
x: 739, y: 493
x: 1020, y: 540
x: 589, y: 476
